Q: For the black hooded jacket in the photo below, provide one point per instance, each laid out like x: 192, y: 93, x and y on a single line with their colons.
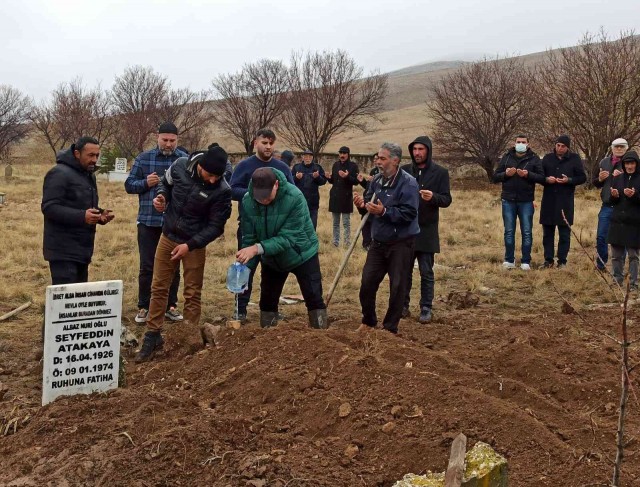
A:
x: 624, y: 228
x: 435, y: 178
x: 196, y: 211
x: 68, y: 192
x: 516, y: 188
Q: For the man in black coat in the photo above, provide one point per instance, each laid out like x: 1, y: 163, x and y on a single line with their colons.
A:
x: 308, y: 177
x: 343, y: 177
x: 71, y: 212
x: 435, y: 193
x: 519, y: 170
x: 196, y: 202
x: 563, y: 171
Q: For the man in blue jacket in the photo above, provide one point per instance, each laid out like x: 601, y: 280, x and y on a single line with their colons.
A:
x: 143, y: 180
x: 393, y: 230
x: 264, y: 143
x: 308, y: 177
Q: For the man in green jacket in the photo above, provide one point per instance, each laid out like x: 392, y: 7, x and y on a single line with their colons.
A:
x: 277, y: 231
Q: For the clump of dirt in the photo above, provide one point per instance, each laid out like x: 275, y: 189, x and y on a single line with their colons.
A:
x: 294, y: 406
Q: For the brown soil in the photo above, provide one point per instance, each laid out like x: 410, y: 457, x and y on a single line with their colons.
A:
x: 269, y: 407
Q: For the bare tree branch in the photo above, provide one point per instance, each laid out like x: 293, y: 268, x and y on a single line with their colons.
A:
x: 14, y: 117
x: 74, y: 111
x: 480, y: 108
x: 139, y: 95
x: 591, y: 92
x: 250, y: 100
x: 327, y: 96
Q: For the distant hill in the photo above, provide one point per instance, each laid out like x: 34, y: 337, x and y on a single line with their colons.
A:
x: 426, y: 68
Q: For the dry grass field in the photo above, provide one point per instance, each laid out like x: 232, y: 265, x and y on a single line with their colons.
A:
x: 471, y: 236
x: 501, y: 362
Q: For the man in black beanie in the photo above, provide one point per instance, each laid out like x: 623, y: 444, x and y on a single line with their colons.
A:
x: 196, y: 202
x: 563, y: 171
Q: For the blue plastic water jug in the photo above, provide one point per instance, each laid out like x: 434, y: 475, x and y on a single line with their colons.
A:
x: 238, y: 277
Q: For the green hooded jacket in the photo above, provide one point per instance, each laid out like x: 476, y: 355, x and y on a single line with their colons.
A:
x: 283, y: 227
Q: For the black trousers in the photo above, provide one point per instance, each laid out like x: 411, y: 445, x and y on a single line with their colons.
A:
x: 314, y: 217
x: 394, y: 259
x: 309, y: 279
x: 548, y: 240
x: 68, y: 272
x: 148, y: 238
x: 366, y: 233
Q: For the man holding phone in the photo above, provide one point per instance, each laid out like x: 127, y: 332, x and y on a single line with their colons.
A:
x: 563, y: 171
x: 147, y: 170
x: 71, y: 212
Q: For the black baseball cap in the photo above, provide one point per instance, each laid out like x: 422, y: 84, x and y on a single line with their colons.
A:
x: 263, y: 180
x: 344, y: 149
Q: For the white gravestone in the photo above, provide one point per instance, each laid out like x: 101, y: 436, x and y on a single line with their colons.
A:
x: 81, y: 339
x: 121, y: 164
x: 120, y: 170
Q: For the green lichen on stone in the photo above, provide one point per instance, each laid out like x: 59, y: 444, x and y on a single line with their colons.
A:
x: 428, y: 480
x: 480, y: 460
x: 483, y: 468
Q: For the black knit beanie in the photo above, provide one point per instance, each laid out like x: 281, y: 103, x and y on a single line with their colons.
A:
x: 564, y: 139
x: 214, y: 161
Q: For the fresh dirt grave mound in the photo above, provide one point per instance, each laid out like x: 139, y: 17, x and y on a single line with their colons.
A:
x: 294, y: 406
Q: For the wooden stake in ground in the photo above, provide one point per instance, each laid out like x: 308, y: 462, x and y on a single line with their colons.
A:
x: 15, y: 311
x: 455, y: 470
x: 346, y: 256
x: 624, y: 395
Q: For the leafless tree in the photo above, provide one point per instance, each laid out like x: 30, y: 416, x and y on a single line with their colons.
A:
x: 250, y: 99
x: 72, y: 112
x: 327, y: 96
x: 14, y: 118
x: 191, y: 112
x: 480, y: 108
x: 592, y: 93
x: 139, y: 95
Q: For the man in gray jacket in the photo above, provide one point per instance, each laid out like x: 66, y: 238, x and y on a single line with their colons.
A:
x: 610, y: 167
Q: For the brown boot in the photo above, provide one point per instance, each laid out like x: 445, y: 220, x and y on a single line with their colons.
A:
x: 365, y: 328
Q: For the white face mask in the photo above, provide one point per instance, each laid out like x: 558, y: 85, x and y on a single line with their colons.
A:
x: 520, y: 147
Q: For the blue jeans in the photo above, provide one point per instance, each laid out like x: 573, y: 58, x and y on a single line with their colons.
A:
x: 524, y: 212
x: 604, y: 217
x: 346, y: 225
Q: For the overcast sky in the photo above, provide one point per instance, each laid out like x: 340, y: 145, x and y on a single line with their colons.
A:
x: 46, y: 42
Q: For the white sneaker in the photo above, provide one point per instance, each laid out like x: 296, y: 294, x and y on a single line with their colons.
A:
x: 525, y: 267
x: 508, y: 265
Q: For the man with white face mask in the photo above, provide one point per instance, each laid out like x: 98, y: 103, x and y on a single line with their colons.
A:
x: 519, y: 170
x: 610, y: 168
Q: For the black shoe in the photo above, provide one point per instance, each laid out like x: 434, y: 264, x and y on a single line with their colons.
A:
x: 152, y: 343
x: 405, y: 312
x: 425, y: 315
x: 547, y: 264
x: 561, y: 265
